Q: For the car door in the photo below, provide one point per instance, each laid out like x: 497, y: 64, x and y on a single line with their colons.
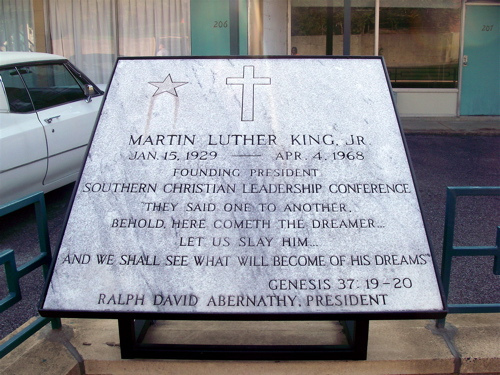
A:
x: 66, y: 115
x: 23, y: 149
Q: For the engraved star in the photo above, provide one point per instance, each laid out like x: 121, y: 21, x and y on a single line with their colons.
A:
x: 167, y: 86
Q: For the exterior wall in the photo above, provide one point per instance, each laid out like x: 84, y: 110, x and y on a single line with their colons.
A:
x: 39, y: 26
x: 275, y: 26
x: 255, y: 25
x: 426, y: 102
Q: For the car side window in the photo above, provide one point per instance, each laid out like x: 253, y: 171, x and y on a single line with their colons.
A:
x: 19, y: 100
x: 51, y: 85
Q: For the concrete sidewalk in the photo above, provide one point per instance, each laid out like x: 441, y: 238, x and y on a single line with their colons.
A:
x: 465, y: 125
x: 468, y: 345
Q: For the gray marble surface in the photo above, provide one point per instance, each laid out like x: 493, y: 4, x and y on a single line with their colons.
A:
x: 246, y: 186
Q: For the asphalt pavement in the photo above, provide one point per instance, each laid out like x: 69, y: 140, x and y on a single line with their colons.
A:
x: 443, y: 152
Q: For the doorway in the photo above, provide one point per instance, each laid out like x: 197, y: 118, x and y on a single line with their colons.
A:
x: 480, y: 90
x: 219, y: 27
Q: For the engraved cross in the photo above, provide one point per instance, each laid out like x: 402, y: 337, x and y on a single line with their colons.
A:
x: 248, y: 81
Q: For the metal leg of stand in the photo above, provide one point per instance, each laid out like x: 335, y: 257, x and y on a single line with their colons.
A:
x: 141, y: 328
x: 356, y: 332
x: 132, y: 333
x: 128, y: 340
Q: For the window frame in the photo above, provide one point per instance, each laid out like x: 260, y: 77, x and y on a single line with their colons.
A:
x: 80, y: 78
x: 8, y: 98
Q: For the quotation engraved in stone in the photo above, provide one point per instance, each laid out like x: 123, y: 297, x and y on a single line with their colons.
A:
x: 248, y: 81
x: 167, y: 86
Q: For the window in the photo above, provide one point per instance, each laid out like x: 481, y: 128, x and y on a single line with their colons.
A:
x: 419, y: 39
x: 93, y: 33
x: 51, y: 85
x: 16, y: 25
x: 315, y: 30
x: 420, y: 45
x: 19, y: 100
x: 318, y: 29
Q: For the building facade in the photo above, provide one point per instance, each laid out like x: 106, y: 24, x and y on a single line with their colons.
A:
x: 443, y: 56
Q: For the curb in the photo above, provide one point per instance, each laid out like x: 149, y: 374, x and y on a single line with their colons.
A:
x: 467, y: 345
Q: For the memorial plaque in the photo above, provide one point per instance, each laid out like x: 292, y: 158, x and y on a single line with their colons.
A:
x: 246, y: 186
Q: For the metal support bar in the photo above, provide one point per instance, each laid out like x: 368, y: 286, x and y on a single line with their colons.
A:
x: 234, y: 27
x: 377, y: 28
x: 7, y: 258
x: 20, y: 337
x: 329, y: 29
x: 347, y: 27
x: 14, y: 273
x: 449, y: 251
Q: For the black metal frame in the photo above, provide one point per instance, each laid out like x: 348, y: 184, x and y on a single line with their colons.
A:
x: 132, y: 333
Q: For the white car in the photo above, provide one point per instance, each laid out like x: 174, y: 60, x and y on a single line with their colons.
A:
x: 47, y: 113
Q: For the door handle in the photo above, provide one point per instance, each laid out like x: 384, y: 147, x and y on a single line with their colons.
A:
x: 465, y: 60
x: 49, y: 120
